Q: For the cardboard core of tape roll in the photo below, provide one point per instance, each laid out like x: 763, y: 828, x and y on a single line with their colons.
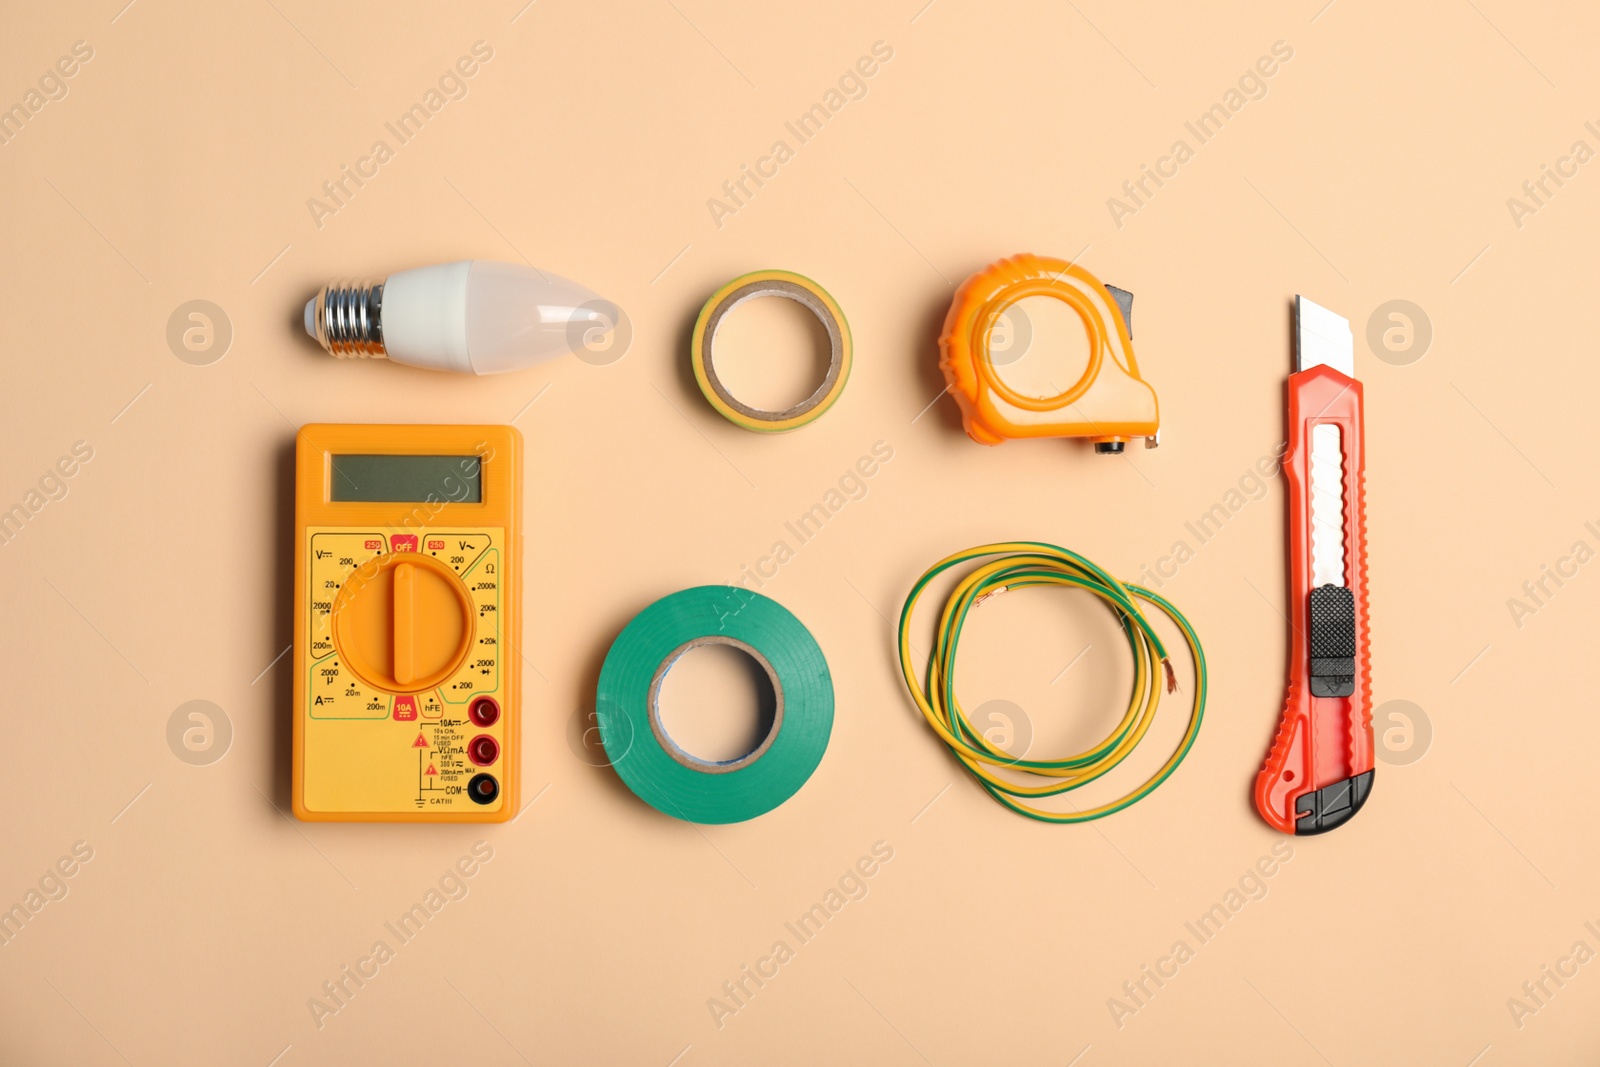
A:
x: 672, y: 748
x: 800, y: 294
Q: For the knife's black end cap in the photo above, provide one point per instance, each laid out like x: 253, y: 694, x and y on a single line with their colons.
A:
x: 1332, y: 805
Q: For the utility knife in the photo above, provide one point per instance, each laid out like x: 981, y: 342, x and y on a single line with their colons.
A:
x: 1319, y: 771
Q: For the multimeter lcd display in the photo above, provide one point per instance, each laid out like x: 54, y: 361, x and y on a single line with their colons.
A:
x: 406, y: 479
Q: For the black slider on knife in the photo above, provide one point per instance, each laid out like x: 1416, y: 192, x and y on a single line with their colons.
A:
x: 1333, y: 641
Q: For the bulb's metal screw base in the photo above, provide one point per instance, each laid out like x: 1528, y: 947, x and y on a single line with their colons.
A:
x: 348, y: 318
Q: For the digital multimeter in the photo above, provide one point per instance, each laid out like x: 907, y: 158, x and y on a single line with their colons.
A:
x: 407, y: 571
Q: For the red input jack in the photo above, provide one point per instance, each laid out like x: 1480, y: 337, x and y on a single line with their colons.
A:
x: 484, y: 711
x: 483, y: 750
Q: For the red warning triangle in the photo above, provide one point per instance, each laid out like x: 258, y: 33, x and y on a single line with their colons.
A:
x: 420, y: 742
x: 430, y: 770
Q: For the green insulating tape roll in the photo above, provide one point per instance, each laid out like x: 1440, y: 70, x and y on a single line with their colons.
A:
x: 665, y: 776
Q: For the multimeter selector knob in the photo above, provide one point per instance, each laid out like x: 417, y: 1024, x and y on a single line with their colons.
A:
x: 403, y: 622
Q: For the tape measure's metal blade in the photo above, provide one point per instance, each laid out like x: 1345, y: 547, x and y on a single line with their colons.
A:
x: 1327, y: 505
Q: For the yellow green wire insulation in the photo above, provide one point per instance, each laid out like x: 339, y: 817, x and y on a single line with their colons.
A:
x: 1026, y: 563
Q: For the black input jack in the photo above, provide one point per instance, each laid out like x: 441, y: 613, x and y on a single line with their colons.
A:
x: 483, y: 789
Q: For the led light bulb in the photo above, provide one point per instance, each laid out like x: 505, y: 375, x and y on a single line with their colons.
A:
x: 475, y: 316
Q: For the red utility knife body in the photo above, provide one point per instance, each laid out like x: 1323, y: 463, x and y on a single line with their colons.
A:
x: 1319, y: 771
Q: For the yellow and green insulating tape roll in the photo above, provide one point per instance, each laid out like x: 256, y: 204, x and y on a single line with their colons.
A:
x: 791, y: 286
x: 671, y: 780
x: 1019, y: 564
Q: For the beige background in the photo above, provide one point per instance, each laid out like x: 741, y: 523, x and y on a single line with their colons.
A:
x: 1377, y: 167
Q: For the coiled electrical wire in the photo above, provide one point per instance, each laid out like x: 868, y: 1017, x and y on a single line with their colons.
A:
x: 1019, y: 564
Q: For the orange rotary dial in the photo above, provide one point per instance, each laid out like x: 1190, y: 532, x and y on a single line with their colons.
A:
x: 403, y: 622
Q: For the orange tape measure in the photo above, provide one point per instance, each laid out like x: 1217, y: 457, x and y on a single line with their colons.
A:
x: 1108, y: 403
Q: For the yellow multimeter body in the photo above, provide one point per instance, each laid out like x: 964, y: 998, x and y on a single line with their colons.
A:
x: 407, y: 617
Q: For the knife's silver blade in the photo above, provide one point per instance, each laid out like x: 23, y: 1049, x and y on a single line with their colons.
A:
x: 1322, y: 339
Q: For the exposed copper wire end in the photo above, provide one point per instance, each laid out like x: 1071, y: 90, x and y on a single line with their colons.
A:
x: 1172, y: 676
x: 996, y: 591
